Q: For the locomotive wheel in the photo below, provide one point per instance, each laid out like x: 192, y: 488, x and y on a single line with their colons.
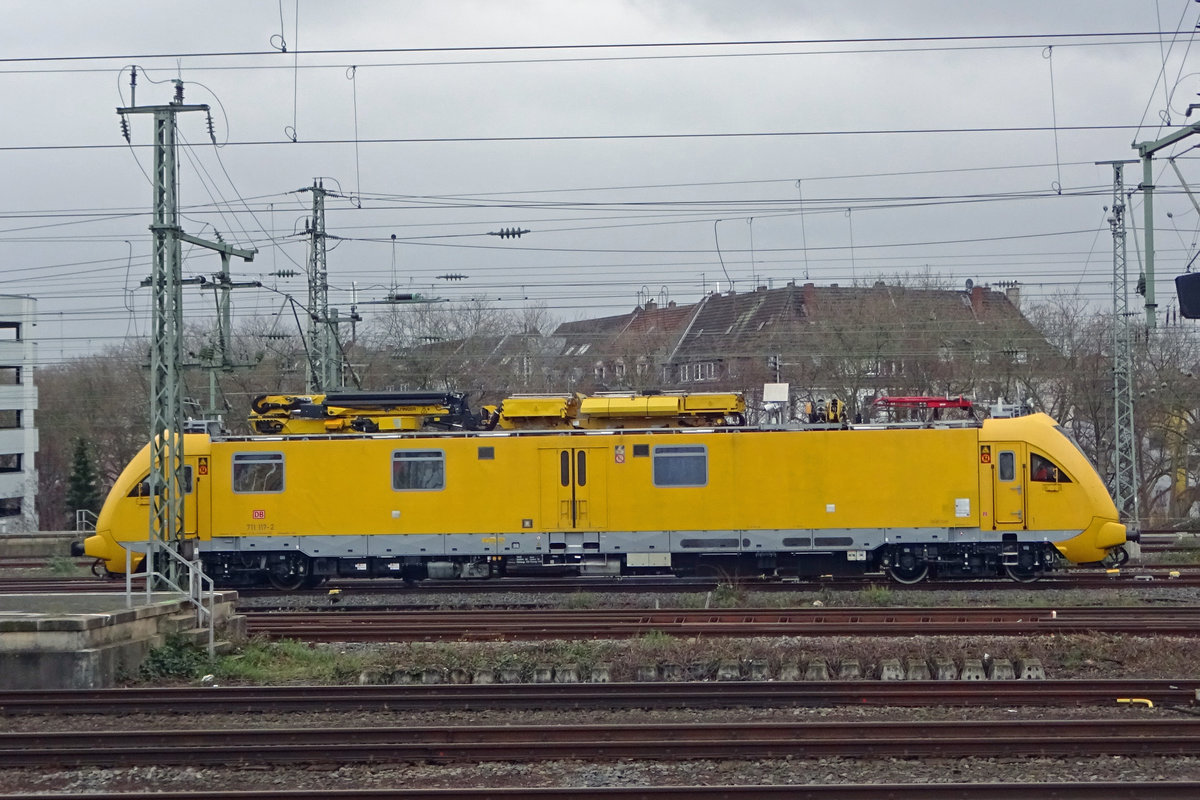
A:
x: 1022, y: 574
x: 908, y: 570
x: 288, y: 574
x: 286, y: 583
x: 1116, y: 557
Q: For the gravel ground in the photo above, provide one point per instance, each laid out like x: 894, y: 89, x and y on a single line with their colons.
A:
x: 1064, y: 657
x: 584, y: 773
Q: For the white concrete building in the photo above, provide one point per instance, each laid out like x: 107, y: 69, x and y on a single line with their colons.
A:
x: 18, y: 405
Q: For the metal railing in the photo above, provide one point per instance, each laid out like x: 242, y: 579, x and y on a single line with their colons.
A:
x: 200, y: 589
x: 85, y: 520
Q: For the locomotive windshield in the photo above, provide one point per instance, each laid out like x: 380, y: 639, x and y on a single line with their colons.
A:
x: 1043, y: 470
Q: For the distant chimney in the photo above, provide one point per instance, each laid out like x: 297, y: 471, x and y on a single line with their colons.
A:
x: 977, y: 300
x: 671, y: 304
x: 810, y: 294
x: 650, y: 305
x: 1013, y: 293
x: 761, y: 289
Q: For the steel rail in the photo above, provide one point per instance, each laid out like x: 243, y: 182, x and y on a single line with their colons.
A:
x: 650, y: 695
x: 1164, y: 790
x: 1185, y: 575
x: 541, y: 624
x: 650, y: 742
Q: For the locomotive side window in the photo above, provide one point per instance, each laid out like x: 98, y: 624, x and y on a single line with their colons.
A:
x: 143, y: 488
x: 257, y: 473
x: 681, y: 465
x: 418, y: 470
x: 1008, y: 465
x: 1044, y: 470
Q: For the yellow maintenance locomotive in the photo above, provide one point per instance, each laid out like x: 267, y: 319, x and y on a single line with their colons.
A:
x: 415, y: 486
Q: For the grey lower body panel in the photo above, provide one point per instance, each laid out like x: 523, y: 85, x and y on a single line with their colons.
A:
x: 463, y: 545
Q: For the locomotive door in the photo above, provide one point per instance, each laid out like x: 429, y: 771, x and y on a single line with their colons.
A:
x: 196, y: 503
x: 190, y: 510
x: 573, y: 487
x: 191, y: 497
x: 1008, y: 486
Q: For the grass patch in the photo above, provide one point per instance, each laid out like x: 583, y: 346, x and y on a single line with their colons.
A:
x: 1173, y: 558
x: 63, y: 566
x: 581, y: 600
x: 291, y: 663
x: 176, y: 659
x: 288, y: 661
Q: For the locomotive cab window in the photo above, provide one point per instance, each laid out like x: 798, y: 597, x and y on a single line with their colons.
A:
x: 142, y: 489
x: 418, y: 470
x: 681, y: 465
x: 1043, y: 470
x: 257, y: 473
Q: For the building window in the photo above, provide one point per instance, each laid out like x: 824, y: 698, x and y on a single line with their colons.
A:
x: 680, y: 465
x: 257, y: 473
x: 619, y: 369
x: 10, y: 506
x: 698, y: 371
x: 10, y: 418
x: 599, y: 371
x: 418, y: 470
x: 1017, y: 356
x: 10, y: 462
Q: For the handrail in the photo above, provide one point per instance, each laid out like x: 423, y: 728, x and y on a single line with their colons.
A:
x: 203, y: 600
x: 85, y: 520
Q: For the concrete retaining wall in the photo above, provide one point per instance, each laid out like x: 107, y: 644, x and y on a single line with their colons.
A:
x: 93, y: 641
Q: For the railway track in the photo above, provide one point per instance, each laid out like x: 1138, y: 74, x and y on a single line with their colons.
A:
x: 1167, y: 790
x: 1180, y: 576
x: 602, y: 742
x: 232, y: 746
x: 537, y: 624
x: 1182, y: 694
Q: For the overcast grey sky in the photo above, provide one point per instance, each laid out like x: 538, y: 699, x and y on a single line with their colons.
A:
x: 707, y: 142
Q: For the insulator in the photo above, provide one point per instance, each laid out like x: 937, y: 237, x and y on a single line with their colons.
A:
x: 212, y: 134
x: 506, y: 233
x: 125, y: 128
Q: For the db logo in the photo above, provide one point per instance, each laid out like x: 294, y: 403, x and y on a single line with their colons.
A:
x: 258, y: 513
